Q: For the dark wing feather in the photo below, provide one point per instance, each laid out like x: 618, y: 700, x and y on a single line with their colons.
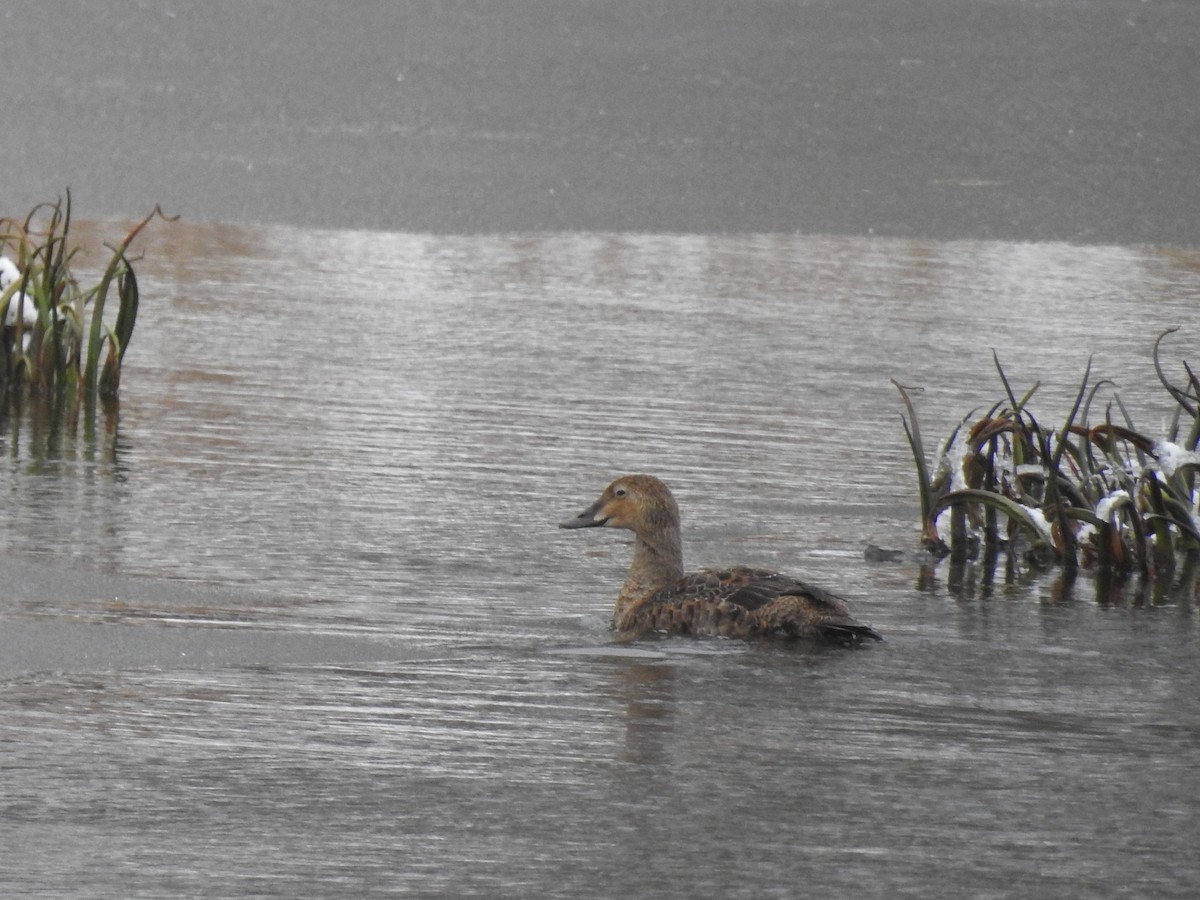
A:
x: 753, y: 589
x: 747, y: 601
x: 745, y: 587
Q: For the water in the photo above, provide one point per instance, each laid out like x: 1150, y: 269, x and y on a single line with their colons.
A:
x: 301, y: 623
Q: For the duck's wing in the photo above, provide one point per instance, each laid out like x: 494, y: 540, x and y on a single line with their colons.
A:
x: 758, y: 601
x: 741, y: 586
x: 699, y: 604
x: 753, y: 589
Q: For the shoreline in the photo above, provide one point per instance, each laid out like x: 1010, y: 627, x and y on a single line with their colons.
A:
x: 921, y: 118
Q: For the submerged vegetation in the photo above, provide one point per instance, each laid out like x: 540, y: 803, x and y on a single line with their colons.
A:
x: 56, y: 339
x: 1102, y: 495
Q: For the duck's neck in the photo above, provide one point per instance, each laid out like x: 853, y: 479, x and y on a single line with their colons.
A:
x: 657, y: 565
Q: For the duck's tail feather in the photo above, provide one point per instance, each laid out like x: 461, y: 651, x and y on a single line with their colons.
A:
x: 851, y: 634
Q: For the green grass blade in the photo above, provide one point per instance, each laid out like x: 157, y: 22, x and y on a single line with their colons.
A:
x: 1017, y: 513
x: 96, y: 331
x: 912, y: 431
x: 127, y: 289
x: 1181, y: 397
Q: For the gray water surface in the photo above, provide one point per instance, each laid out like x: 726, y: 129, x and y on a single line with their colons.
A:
x: 1008, y: 119
x: 299, y: 622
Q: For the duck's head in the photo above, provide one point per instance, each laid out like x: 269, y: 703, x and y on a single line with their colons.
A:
x: 639, y: 503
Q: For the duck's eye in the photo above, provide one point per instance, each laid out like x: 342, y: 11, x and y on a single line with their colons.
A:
x: 619, y: 492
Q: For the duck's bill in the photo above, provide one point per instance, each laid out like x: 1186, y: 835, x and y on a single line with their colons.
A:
x: 586, y: 519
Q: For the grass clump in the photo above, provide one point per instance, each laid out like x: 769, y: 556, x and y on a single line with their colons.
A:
x: 1089, y: 494
x: 55, y: 334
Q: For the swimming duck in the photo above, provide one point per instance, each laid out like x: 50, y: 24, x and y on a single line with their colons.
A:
x: 658, y: 596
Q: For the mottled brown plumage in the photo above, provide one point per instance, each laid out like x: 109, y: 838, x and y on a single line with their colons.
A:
x: 658, y: 596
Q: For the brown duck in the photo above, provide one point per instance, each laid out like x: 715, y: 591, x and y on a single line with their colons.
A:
x: 658, y: 596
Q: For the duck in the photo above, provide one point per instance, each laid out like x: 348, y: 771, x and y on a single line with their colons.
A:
x: 659, y: 597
